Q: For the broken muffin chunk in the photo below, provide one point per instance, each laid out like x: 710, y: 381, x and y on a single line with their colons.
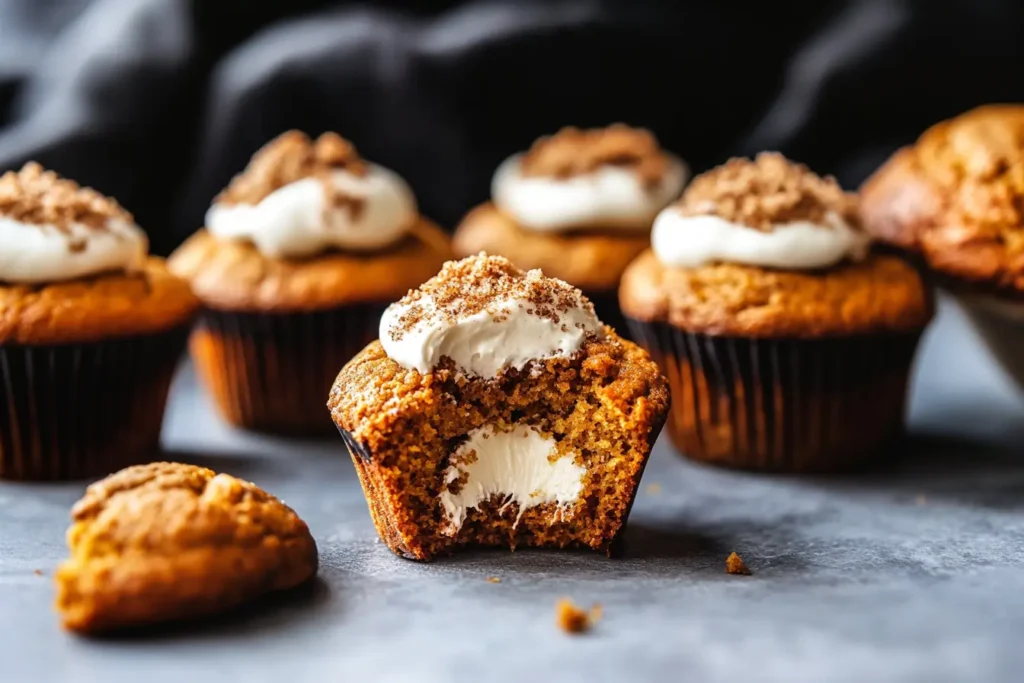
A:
x: 497, y: 410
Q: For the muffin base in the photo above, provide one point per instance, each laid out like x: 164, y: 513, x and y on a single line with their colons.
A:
x: 270, y: 372
x: 786, y: 405
x: 73, y: 411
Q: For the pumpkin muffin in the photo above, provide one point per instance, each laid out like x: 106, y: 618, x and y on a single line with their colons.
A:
x: 169, y: 542
x: 786, y: 341
x: 497, y: 410
x: 300, y: 256
x: 579, y: 206
x: 955, y: 200
x: 91, y: 331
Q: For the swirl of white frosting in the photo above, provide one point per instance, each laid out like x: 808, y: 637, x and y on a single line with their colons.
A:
x: 32, y: 253
x: 690, y: 241
x: 297, y: 220
x: 608, y: 197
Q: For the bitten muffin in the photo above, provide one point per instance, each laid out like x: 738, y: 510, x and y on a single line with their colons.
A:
x: 955, y: 200
x: 579, y: 206
x: 497, y: 410
x: 91, y: 331
x: 786, y: 341
x: 169, y: 542
x: 299, y: 258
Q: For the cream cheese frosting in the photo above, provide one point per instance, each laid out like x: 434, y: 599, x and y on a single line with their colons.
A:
x: 608, y: 196
x: 358, y: 212
x: 52, y: 230
x: 519, y: 465
x: 487, y: 316
x: 690, y: 241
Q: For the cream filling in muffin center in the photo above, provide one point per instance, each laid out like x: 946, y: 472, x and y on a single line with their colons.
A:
x: 521, y: 465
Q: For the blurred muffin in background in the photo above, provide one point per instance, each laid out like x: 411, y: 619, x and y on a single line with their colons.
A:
x: 91, y: 330
x: 300, y: 256
x: 579, y: 206
x: 787, y: 342
x: 955, y: 200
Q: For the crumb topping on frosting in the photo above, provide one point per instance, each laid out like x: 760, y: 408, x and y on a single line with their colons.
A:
x: 767, y: 191
x: 290, y: 157
x: 485, y: 283
x: 571, y: 152
x: 38, y: 197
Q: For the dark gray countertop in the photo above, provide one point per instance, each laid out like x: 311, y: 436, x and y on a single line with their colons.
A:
x: 910, y: 573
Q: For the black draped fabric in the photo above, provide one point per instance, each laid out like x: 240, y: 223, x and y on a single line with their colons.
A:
x: 159, y: 102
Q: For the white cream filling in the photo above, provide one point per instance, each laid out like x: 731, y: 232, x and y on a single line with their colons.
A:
x: 507, y: 335
x: 33, y: 254
x: 608, y: 197
x: 691, y: 241
x: 515, y: 465
x: 296, y: 221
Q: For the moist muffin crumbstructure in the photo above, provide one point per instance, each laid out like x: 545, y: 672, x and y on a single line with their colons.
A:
x: 497, y: 410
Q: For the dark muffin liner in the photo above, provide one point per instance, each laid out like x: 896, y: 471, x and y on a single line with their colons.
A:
x: 84, y: 410
x: 272, y: 372
x: 782, y: 405
x: 606, y: 305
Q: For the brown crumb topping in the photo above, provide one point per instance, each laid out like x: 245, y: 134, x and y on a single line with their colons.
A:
x: 572, y: 619
x: 290, y: 157
x: 493, y: 579
x: 39, y: 197
x: 766, y: 191
x: 734, y: 565
x: 477, y: 283
x: 571, y: 152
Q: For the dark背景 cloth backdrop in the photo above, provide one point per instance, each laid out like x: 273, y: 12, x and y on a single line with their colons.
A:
x: 159, y: 102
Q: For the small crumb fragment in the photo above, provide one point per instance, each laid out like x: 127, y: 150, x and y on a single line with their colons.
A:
x: 734, y: 565
x: 572, y: 619
x: 37, y: 572
x: 653, y: 489
x: 921, y: 499
x: 493, y: 579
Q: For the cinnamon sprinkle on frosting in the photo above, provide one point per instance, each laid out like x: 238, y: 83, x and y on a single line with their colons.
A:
x: 766, y: 191
x: 38, y: 197
x: 572, y: 152
x: 478, y: 283
x: 291, y: 157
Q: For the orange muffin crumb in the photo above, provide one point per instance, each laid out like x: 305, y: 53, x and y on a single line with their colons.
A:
x: 734, y: 565
x: 572, y: 619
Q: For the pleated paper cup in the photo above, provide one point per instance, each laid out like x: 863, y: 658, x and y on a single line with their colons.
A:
x: 1000, y: 322
x: 75, y: 411
x: 787, y: 405
x: 271, y: 372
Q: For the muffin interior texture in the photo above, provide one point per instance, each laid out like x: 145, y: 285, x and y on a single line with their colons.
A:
x: 597, y: 412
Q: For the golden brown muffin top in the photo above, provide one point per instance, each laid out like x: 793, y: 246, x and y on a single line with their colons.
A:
x: 878, y: 295
x: 571, y: 152
x: 99, y: 307
x: 235, y: 276
x: 288, y: 158
x: 592, y: 261
x: 765, y: 191
x: 160, y: 527
x: 957, y: 197
x: 35, y: 196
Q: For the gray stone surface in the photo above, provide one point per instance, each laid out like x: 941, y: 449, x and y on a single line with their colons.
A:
x: 909, y: 573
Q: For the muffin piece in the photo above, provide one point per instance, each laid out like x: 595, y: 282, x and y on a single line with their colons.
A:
x: 300, y: 256
x: 578, y: 205
x: 84, y: 312
x: 497, y: 410
x: 955, y: 200
x: 786, y: 342
x: 168, y: 542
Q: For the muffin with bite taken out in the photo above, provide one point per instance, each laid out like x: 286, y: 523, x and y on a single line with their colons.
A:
x: 299, y: 257
x: 787, y: 341
x: 579, y: 206
x: 91, y: 331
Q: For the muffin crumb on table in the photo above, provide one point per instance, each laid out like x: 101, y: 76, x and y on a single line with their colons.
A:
x: 575, y: 620
x: 734, y: 565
